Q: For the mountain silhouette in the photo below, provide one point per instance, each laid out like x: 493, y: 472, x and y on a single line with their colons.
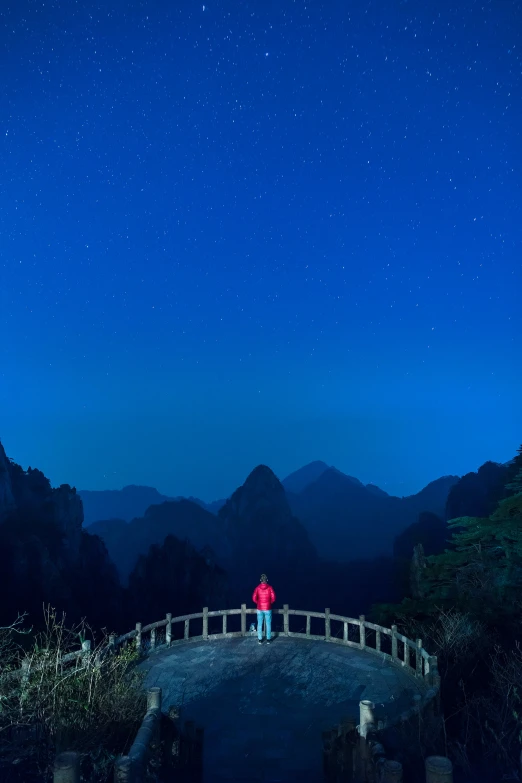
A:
x: 184, y: 519
x: 347, y: 520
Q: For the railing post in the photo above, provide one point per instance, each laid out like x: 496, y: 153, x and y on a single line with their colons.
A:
x: 362, y: 631
x: 378, y: 640
x: 67, y: 768
x: 418, y: 658
x: 406, y: 654
x: 112, y: 641
x: 26, y: 672
x: 86, y: 651
x: 345, y: 632
x: 308, y: 625
x: 186, y: 631
x: 243, y: 619
x: 152, y: 638
x: 327, y: 624
x: 205, y: 622
x: 286, y: 620
x: 433, y: 672
x: 224, y: 624
x: 168, y: 631
x: 138, y: 637
x: 123, y: 769
x: 366, y: 717
x: 154, y: 699
x: 392, y: 771
x: 154, y: 703
x: 439, y: 769
x: 394, y: 642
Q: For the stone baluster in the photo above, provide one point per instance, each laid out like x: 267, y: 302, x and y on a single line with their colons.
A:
x: 366, y: 717
x: 138, y: 637
x: 67, y: 768
x: 26, y: 672
x: 152, y: 638
x: 123, y: 769
x: 186, y: 631
x: 345, y: 632
x: 224, y: 624
x: 418, y: 658
x: 362, y: 631
x: 394, y: 642
x: 308, y: 625
x: 205, y: 622
x: 391, y: 772
x: 327, y: 631
x: 168, y: 630
x: 243, y: 619
x: 378, y: 640
x: 86, y: 652
x: 286, y: 620
x: 439, y: 769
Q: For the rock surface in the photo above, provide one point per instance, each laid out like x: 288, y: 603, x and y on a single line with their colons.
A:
x: 263, y: 708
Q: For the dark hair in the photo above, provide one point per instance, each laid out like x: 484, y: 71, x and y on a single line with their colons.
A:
x: 263, y: 578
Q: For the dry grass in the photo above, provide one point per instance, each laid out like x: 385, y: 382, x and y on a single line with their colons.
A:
x: 93, y: 705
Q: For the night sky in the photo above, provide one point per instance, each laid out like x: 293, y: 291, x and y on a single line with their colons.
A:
x: 260, y: 232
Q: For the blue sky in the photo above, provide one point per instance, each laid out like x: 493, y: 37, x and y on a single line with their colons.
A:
x: 260, y: 232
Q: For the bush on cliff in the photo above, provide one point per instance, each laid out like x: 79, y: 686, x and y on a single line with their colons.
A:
x: 93, y: 706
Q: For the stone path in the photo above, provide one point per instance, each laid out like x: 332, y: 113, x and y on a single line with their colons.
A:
x: 263, y: 708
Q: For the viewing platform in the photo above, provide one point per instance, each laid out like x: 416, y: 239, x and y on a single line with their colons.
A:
x: 263, y: 708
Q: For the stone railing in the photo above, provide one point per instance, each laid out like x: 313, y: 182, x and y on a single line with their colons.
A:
x: 360, y: 634
x: 387, y: 643
x: 353, y: 752
x: 180, y: 757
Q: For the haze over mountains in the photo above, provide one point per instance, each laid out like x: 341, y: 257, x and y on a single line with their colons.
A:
x: 330, y: 515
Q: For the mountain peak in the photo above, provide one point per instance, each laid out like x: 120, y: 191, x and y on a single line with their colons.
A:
x: 298, y: 480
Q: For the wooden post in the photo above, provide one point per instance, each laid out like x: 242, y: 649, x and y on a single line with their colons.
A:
x: 138, y: 636
x: 345, y: 632
x: 205, y: 622
x: 394, y: 642
x: 123, y: 769
x: 378, y: 641
x: 67, y: 768
x: 224, y: 624
x: 186, y: 633
x: 418, y: 658
x: 362, y: 631
x: 168, y: 630
x: 243, y: 619
x: 327, y: 624
x: 308, y: 622
x: 392, y: 771
x: 439, y: 769
x: 152, y: 638
x: 286, y: 620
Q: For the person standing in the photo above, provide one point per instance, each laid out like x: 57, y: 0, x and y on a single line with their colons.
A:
x: 264, y: 596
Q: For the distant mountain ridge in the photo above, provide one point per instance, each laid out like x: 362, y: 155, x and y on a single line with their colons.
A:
x: 130, y: 502
x: 347, y: 520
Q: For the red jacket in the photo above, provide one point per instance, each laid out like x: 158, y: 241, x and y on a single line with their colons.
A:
x: 264, y: 597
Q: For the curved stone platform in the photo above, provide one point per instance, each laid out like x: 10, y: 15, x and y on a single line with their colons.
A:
x: 263, y: 707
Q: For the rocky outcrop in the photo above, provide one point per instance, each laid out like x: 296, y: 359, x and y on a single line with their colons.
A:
x: 7, y: 503
x: 262, y: 535
x: 45, y: 555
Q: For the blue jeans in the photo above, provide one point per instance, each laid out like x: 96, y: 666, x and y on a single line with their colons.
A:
x: 268, y: 623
